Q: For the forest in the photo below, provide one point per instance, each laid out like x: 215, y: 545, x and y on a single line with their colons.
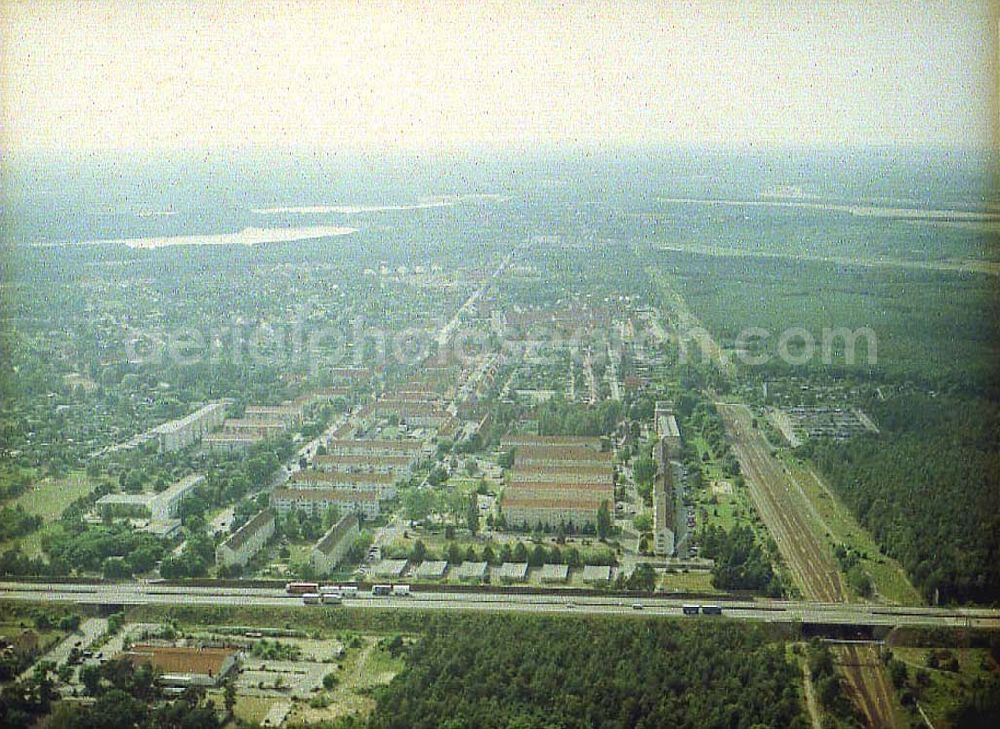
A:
x: 511, y: 671
x: 928, y: 488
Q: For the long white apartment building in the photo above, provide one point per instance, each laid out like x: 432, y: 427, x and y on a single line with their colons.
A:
x: 161, y: 506
x: 176, y: 434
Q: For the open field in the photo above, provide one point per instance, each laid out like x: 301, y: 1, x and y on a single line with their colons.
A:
x: 48, y: 498
x: 942, y: 690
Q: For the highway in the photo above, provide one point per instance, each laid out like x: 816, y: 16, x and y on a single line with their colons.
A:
x: 776, y: 611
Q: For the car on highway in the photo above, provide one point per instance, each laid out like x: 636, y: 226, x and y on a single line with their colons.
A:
x: 637, y: 606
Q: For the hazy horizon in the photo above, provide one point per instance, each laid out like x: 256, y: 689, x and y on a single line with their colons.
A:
x: 437, y: 78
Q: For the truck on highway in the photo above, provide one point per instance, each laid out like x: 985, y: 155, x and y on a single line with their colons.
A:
x: 711, y: 610
x: 331, y: 598
x: 349, y: 590
x: 690, y: 609
x: 301, y: 588
x: 381, y: 590
x: 400, y: 590
x: 311, y: 598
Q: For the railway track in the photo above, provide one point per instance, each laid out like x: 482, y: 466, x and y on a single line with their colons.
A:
x: 785, y: 512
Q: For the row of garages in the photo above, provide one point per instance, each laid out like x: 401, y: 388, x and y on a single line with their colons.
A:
x: 508, y: 572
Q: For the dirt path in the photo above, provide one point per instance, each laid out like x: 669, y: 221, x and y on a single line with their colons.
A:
x: 785, y: 510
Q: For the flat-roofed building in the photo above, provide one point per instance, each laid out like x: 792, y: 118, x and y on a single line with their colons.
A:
x: 471, y: 571
x: 182, y: 666
x: 512, y: 572
x: 594, y: 573
x: 126, y: 504
x: 431, y: 569
x: 666, y: 425
x: 330, y: 550
x: 382, y: 484
x: 158, y: 507
x: 553, y: 573
x: 318, y: 501
x: 240, y: 546
x: 165, y: 503
x: 176, y: 434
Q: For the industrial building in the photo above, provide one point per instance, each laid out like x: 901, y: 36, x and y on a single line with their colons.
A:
x: 240, y: 547
x: 330, y: 550
x: 182, y: 667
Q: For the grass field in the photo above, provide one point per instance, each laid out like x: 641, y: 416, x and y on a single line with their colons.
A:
x: 944, y: 689
x: 361, y: 670
x: 48, y: 498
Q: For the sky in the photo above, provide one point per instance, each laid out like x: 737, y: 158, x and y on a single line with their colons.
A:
x: 156, y: 77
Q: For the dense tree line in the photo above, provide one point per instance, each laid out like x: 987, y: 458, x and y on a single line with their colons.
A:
x: 740, y: 563
x: 515, y: 671
x: 559, y: 417
x: 16, y: 522
x: 928, y: 488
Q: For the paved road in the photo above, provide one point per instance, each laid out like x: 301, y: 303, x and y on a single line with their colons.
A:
x: 769, y: 611
x: 89, y: 631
